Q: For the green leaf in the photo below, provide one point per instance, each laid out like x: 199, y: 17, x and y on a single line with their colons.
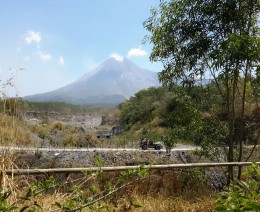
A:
x: 5, y: 195
x: 137, y: 206
x: 253, y: 206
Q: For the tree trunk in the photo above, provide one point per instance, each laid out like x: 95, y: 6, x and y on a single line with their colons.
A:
x: 232, y: 116
x: 241, y: 123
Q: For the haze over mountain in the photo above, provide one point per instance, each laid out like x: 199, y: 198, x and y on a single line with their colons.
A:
x: 110, y: 83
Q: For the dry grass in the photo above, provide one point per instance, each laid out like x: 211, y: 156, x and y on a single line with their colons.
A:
x: 13, y: 132
x: 148, y: 204
x: 166, y: 191
x: 173, y: 195
x: 161, y: 203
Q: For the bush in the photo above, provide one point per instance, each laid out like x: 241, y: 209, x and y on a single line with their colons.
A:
x: 59, y: 125
x: 242, y: 195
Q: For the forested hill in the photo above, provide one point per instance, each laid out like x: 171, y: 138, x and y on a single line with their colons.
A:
x: 61, y: 107
x: 194, y: 114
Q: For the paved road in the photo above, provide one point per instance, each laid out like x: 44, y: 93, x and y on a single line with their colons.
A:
x: 178, y: 148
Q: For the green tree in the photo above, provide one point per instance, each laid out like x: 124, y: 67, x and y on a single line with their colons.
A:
x: 182, y: 118
x: 193, y: 37
x: 141, y: 107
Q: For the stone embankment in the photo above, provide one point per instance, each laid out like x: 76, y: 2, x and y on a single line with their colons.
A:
x: 60, y: 116
x: 88, y: 119
x: 52, y: 159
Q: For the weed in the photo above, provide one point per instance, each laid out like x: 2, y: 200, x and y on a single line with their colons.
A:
x: 242, y: 195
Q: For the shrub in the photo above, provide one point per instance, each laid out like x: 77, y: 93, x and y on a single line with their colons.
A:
x: 59, y: 125
x: 242, y: 195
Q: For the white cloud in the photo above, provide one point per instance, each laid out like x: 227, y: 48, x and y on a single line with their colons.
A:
x: 33, y: 37
x: 61, y: 60
x: 136, y: 52
x: 44, y: 57
x: 117, y: 56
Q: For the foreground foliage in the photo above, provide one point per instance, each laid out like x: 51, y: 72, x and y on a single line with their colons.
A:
x: 134, y: 190
x: 77, y: 197
x: 242, y: 195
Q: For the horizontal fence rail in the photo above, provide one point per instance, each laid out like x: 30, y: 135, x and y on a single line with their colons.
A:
x: 121, y: 168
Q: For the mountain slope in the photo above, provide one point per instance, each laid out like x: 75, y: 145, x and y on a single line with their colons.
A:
x: 110, y: 83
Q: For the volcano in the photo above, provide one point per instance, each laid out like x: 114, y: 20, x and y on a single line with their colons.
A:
x: 111, y: 82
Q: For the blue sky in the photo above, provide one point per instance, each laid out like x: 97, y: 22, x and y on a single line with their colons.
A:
x: 57, y: 41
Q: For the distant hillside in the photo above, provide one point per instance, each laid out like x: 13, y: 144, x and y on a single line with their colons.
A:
x: 59, y: 107
x: 112, y: 82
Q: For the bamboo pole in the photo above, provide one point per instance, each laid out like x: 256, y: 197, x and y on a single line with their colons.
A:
x: 121, y: 168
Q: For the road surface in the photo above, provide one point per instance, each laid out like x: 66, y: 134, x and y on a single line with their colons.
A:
x: 16, y: 148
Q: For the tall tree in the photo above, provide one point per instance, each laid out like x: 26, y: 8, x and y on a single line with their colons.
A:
x: 194, y: 37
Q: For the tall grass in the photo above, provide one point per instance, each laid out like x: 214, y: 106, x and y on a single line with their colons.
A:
x: 10, y: 134
x: 160, y: 191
